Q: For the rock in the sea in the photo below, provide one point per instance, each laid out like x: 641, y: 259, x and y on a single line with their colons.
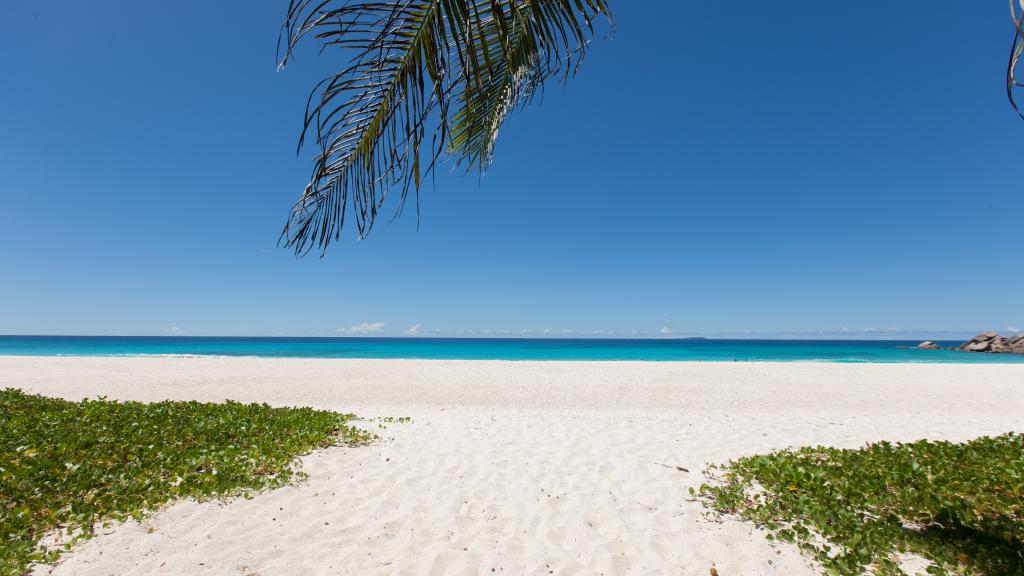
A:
x: 928, y: 345
x: 993, y: 342
x: 977, y: 346
x: 999, y: 346
x: 1008, y: 344
x: 980, y: 343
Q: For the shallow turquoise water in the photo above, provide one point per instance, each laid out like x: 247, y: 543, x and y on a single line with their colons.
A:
x: 496, y: 349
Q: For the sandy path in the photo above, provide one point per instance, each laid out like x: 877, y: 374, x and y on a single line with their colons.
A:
x: 515, y: 467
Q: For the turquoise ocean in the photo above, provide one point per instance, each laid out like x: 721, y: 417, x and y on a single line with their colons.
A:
x: 694, y: 350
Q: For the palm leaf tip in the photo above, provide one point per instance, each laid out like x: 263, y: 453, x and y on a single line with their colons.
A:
x: 424, y: 81
x: 1016, y: 49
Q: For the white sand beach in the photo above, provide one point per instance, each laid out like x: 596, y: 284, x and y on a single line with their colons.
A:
x: 515, y: 467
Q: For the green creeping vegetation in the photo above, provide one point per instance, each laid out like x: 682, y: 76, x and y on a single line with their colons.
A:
x: 70, y: 465
x: 959, y: 505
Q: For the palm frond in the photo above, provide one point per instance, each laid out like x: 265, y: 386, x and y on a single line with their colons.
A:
x: 425, y: 81
x: 1012, y: 83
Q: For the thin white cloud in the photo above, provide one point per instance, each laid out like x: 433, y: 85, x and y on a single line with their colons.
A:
x: 174, y: 331
x: 665, y: 330
x: 413, y: 330
x: 364, y: 328
x: 1013, y: 329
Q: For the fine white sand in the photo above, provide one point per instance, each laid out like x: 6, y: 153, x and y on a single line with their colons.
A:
x: 515, y: 467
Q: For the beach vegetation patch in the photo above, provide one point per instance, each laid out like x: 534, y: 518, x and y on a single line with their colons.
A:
x: 960, y: 506
x: 68, y: 467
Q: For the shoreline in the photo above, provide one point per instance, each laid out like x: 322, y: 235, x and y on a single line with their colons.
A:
x: 1009, y: 359
x: 520, y: 467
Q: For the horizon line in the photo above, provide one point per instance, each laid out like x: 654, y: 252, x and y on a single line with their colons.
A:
x: 940, y: 335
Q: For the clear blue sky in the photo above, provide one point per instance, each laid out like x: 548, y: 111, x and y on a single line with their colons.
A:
x: 716, y: 168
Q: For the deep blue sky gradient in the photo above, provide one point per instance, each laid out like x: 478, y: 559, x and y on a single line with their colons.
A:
x: 716, y: 168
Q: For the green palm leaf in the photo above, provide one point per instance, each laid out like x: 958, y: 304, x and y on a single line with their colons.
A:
x: 425, y: 80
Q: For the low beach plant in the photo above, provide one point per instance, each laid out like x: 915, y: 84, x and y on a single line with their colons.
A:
x: 960, y: 506
x: 67, y: 467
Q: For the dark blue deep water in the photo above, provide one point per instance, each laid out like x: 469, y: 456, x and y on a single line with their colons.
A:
x: 495, y: 349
